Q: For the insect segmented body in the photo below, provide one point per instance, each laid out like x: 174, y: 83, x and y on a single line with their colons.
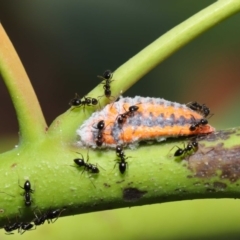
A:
x: 121, y: 118
x: 92, y: 168
x: 87, y: 101
x: 107, y: 76
x: 9, y: 228
x: 49, y: 216
x: 150, y: 119
x: 25, y: 226
x: 22, y: 227
x: 197, y: 124
x: 99, y: 137
x: 200, y: 108
x: 190, y: 146
x: 53, y: 215
x: 39, y: 220
x: 27, y: 193
x: 122, y: 163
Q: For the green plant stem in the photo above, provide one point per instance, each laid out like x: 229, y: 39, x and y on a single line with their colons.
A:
x: 153, y: 175
x: 143, y: 62
x: 31, y: 121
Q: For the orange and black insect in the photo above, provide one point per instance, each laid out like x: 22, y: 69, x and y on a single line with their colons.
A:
x: 146, y: 119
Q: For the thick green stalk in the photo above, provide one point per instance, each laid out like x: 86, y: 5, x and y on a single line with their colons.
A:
x: 154, y: 175
x: 30, y: 118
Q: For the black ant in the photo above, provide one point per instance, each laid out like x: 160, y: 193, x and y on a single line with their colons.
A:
x: 26, y: 194
x: 190, y: 146
x: 11, y: 227
x: 25, y: 226
x: 196, y: 124
x: 100, y: 127
x: 88, y: 101
x: 21, y: 226
x: 39, y: 220
x: 121, y: 118
x: 48, y: 216
x: 107, y: 76
x: 202, y: 109
x: 99, y: 138
x: 54, y: 214
x: 92, y: 168
x: 122, y: 164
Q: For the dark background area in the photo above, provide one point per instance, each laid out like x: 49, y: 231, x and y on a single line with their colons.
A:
x: 64, y: 45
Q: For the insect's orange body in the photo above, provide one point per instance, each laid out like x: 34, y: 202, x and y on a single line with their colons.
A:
x: 151, y: 119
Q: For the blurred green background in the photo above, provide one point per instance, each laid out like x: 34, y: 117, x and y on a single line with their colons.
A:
x: 64, y: 45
